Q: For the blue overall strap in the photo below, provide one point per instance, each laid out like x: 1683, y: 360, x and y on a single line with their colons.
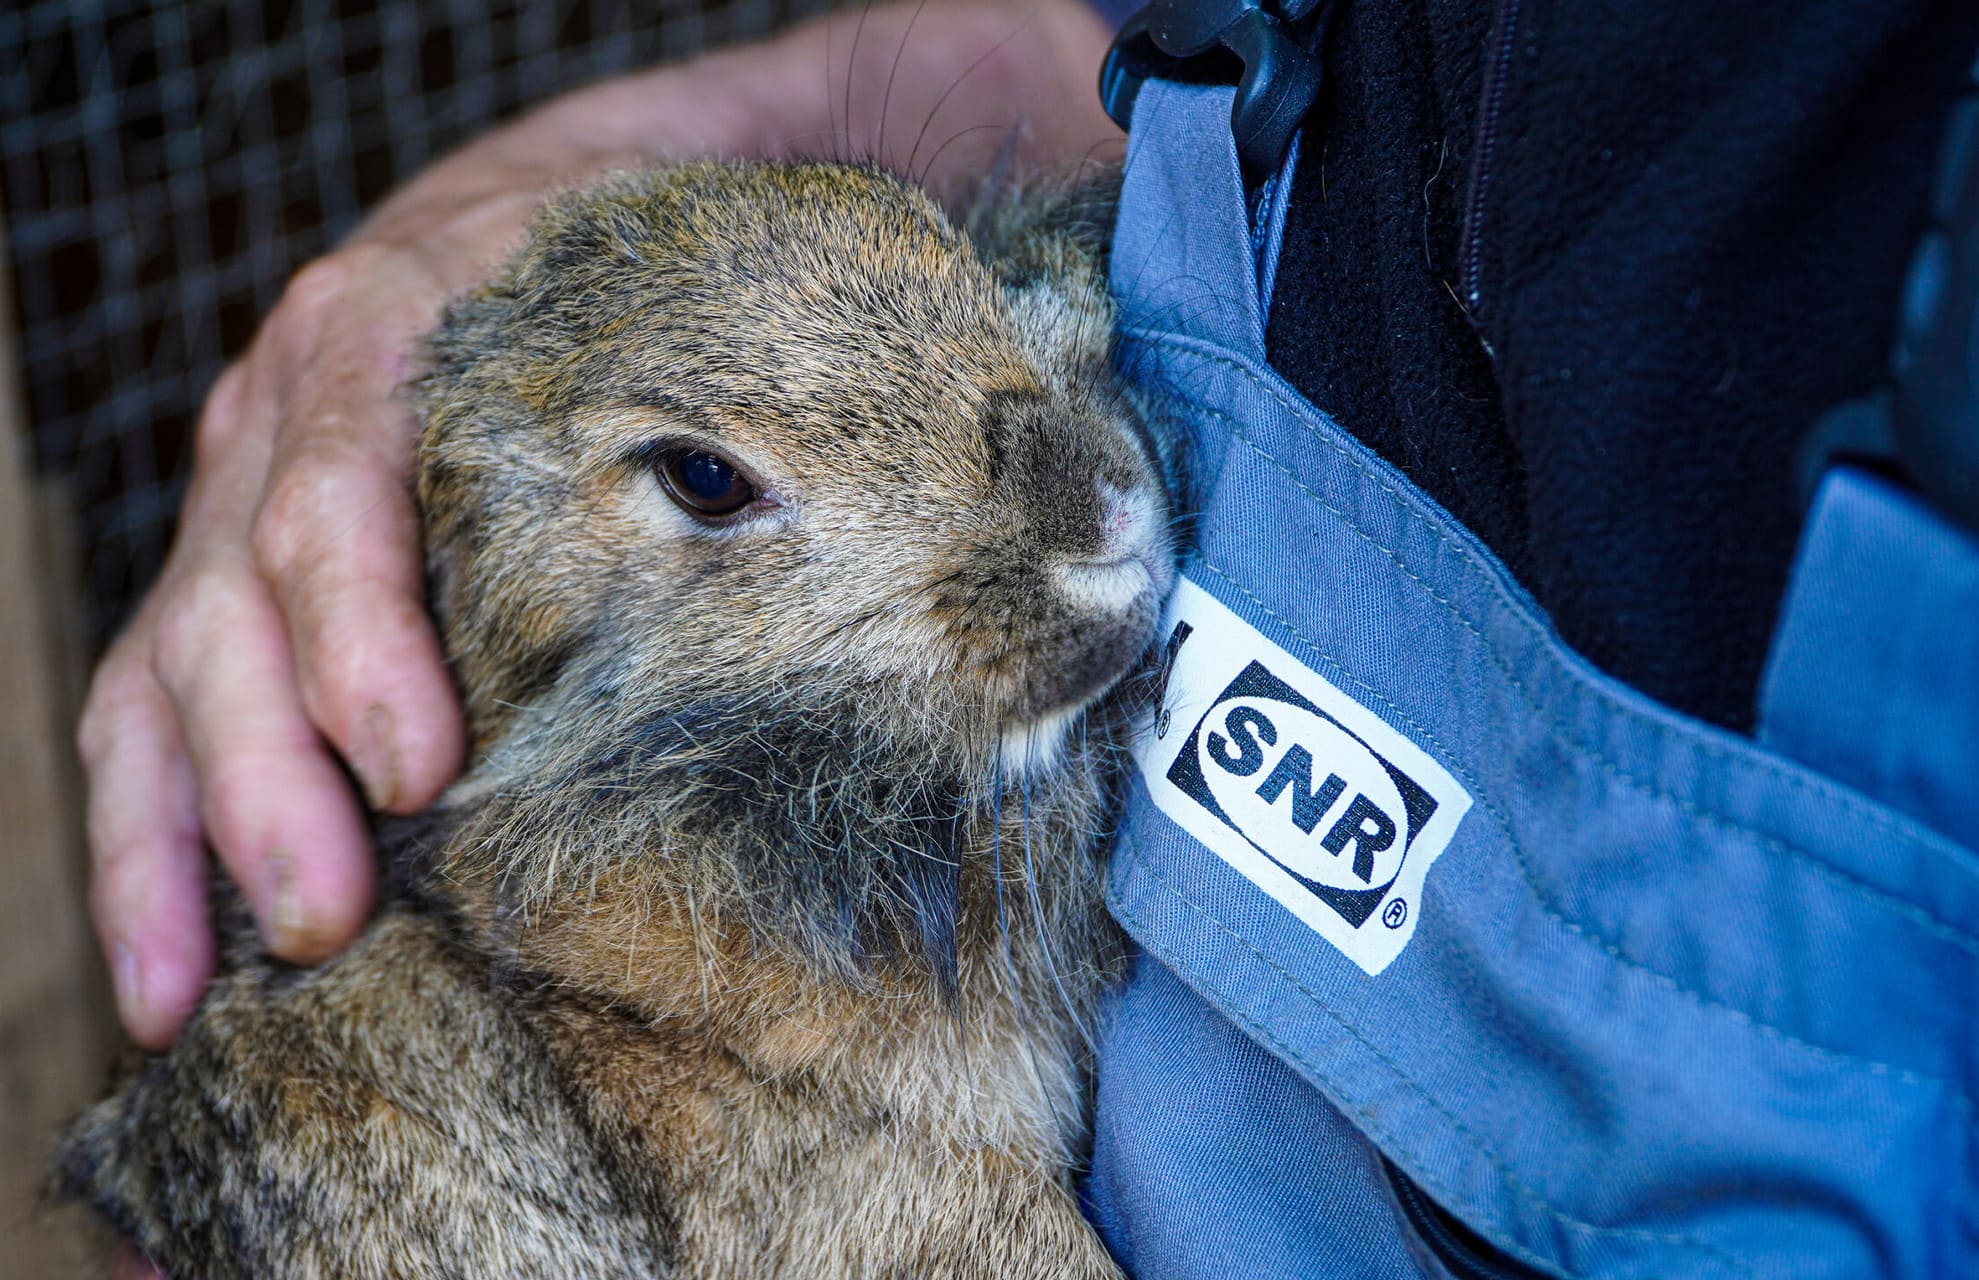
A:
x: 1874, y: 675
x: 1461, y: 957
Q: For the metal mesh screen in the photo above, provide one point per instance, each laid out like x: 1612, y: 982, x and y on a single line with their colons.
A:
x: 165, y: 167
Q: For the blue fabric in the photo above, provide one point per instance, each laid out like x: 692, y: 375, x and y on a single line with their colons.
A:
x: 1675, y: 1004
x: 1217, y: 1160
x: 1876, y: 683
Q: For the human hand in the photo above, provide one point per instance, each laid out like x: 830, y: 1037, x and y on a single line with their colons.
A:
x: 288, y: 631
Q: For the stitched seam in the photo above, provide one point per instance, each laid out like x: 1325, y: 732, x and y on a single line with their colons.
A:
x: 1915, y: 914
x: 1370, y: 1124
x: 1951, y: 933
x: 1886, y: 1070
x: 1703, y: 746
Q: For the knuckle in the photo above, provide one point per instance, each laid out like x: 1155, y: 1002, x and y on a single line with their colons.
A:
x: 120, y: 689
x: 291, y: 511
x: 328, y: 508
x: 221, y: 419
x: 320, y: 285
x: 102, y: 706
x: 313, y: 299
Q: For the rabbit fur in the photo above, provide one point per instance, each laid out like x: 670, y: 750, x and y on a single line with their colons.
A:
x: 764, y: 934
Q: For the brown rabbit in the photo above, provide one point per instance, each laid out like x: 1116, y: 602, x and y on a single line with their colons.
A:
x: 787, y: 542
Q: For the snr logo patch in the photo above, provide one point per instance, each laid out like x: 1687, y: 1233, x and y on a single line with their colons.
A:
x: 1314, y: 798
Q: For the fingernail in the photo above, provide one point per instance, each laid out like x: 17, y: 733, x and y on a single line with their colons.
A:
x: 288, y: 919
x: 378, y: 762
x: 128, y: 976
x: 289, y: 934
x: 291, y: 930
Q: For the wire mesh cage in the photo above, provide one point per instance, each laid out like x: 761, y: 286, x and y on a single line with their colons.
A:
x: 166, y: 166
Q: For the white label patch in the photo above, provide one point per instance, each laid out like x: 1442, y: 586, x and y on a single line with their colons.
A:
x: 1313, y: 797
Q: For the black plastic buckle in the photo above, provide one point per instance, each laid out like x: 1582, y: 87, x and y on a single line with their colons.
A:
x: 1239, y: 42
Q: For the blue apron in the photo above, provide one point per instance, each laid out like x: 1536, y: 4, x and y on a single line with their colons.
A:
x: 1459, y: 958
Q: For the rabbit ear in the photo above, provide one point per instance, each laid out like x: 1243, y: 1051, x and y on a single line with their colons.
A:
x: 1053, y: 231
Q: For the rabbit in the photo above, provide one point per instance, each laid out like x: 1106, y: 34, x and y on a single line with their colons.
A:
x: 793, y: 547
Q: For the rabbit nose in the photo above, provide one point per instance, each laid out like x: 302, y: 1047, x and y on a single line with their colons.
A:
x: 1126, y: 521
x: 1131, y: 562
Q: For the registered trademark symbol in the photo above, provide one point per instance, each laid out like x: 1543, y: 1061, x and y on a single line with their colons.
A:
x: 1161, y: 725
x: 1395, y: 913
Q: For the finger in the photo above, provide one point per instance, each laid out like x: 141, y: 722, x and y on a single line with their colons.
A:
x: 271, y: 799
x: 336, y: 535
x: 148, y: 869
x: 338, y: 541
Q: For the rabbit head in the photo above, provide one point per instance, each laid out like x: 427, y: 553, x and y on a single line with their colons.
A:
x: 774, y: 522
x: 723, y: 430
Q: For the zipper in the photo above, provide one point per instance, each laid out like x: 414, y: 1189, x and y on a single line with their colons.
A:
x: 1462, y: 1253
x: 1504, y: 34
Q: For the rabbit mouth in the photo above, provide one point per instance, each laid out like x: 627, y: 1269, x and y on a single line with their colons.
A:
x: 1106, y: 648
x: 1113, y: 585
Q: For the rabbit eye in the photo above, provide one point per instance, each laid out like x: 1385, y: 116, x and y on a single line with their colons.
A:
x: 704, y: 484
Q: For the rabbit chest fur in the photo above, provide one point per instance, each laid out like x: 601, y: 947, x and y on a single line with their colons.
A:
x: 790, y: 544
